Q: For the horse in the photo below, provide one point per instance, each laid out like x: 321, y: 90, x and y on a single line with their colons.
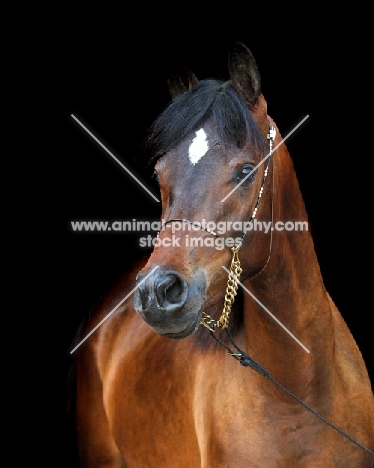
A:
x: 222, y: 347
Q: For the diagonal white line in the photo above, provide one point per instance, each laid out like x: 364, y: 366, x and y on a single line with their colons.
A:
x: 117, y: 160
x: 265, y: 158
x: 111, y: 312
x: 271, y: 315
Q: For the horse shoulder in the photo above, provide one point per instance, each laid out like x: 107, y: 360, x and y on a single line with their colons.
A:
x: 91, y: 415
x: 96, y: 362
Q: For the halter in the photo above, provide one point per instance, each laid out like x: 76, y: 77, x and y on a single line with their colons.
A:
x: 235, y: 267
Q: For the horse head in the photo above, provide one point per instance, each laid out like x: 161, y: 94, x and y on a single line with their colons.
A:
x: 210, y: 154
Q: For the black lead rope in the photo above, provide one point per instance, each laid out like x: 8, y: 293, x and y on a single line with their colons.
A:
x: 247, y: 361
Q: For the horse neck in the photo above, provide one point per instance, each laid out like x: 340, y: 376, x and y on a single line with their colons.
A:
x: 292, y: 289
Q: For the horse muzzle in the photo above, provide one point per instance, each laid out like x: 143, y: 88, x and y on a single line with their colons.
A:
x: 168, y: 303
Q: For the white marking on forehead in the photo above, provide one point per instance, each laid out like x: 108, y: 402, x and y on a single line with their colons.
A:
x: 198, y: 147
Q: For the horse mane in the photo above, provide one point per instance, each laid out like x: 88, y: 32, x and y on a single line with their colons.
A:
x: 209, y: 99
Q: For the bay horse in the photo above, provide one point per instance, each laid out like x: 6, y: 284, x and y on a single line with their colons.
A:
x: 223, y: 347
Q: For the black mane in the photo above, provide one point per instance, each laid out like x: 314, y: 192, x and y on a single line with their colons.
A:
x: 209, y: 99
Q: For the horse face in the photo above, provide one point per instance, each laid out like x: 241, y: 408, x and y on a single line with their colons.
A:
x: 184, y: 273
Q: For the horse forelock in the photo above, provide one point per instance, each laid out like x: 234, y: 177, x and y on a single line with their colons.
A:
x: 213, y: 100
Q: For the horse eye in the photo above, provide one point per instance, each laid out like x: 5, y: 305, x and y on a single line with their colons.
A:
x: 246, y: 174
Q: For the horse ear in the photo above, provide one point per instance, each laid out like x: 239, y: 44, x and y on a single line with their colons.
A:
x: 244, y: 73
x: 180, y: 78
x: 246, y: 79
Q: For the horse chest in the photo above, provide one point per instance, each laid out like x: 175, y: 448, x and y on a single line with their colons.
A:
x: 192, y: 418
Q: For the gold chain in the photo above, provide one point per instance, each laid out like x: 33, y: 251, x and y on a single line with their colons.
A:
x: 231, y: 290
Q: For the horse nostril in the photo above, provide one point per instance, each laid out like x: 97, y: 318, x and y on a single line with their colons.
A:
x: 171, y: 290
x: 165, y: 290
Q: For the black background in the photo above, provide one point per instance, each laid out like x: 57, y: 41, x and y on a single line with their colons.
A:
x: 110, y: 72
